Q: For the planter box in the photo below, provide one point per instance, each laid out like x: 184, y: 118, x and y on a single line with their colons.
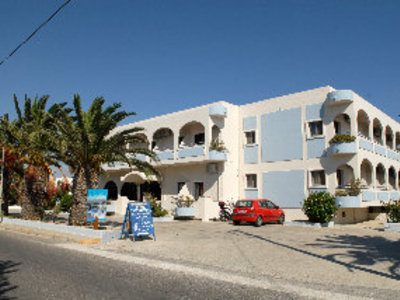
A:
x: 392, y: 227
x: 184, y: 212
x: 348, y: 201
x: 105, y: 236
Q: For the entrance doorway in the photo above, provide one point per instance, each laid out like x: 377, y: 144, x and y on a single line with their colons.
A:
x: 152, y: 187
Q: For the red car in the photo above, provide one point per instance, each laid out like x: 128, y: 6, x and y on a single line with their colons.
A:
x: 257, y: 211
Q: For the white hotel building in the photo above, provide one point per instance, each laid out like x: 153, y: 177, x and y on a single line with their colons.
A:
x: 276, y: 148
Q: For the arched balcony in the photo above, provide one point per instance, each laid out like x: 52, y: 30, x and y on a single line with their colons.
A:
x: 392, y: 178
x: 363, y: 123
x: 191, y: 140
x: 163, y: 143
x: 217, y: 148
x: 366, y: 171
x: 389, y: 137
x: 141, y: 142
x: 377, y: 132
x: 380, y: 175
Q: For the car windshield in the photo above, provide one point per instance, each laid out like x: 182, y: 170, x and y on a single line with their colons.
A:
x: 244, y: 203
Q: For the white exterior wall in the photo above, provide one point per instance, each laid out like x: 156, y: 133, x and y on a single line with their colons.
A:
x: 228, y: 184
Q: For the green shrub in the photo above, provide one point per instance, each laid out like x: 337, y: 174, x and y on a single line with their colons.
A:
x: 64, y: 200
x: 342, y: 138
x: 392, y: 209
x: 217, y: 145
x: 320, y: 207
x: 157, y: 210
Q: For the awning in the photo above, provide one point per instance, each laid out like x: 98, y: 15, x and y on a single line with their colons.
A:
x: 137, y: 177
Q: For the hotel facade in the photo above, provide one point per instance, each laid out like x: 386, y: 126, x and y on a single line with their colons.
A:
x: 279, y: 148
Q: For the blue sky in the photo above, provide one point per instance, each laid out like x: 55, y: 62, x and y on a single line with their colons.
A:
x: 162, y: 56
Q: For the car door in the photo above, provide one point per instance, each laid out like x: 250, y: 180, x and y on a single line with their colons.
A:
x: 272, y: 211
x: 268, y: 212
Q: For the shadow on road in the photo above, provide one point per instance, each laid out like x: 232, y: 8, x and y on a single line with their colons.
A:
x: 361, y: 251
x: 7, y: 267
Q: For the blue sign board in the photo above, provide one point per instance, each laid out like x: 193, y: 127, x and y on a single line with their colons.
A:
x: 138, y: 220
x: 96, y: 205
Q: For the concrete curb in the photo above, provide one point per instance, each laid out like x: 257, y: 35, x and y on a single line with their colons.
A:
x: 105, y: 236
x: 392, y: 227
x: 163, y: 219
x: 308, y: 224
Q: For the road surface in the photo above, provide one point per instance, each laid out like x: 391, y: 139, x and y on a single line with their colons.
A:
x: 34, y: 268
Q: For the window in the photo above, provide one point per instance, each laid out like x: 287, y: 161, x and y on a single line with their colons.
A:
x: 269, y: 204
x: 315, y: 128
x: 250, y: 137
x: 198, y: 190
x: 199, y: 139
x: 251, y: 181
x: 318, y: 178
x: 180, y: 186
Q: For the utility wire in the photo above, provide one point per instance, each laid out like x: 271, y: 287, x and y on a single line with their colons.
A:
x: 35, y: 31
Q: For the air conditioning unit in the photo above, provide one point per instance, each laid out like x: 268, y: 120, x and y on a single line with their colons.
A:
x: 212, y: 168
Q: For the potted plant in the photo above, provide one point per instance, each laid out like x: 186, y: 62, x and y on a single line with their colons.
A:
x: 342, y: 138
x: 217, y: 145
x: 320, y: 207
x: 184, y: 206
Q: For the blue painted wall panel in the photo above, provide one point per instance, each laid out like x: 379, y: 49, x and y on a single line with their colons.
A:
x: 251, y: 154
x: 251, y: 194
x: 315, y: 111
x: 316, y: 148
x: 282, y: 135
x: 250, y: 123
x: 285, y: 188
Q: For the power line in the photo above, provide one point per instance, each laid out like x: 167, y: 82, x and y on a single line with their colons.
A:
x: 35, y: 31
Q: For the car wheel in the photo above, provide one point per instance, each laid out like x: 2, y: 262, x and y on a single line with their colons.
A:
x: 281, y: 219
x: 236, y: 223
x: 258, y: 222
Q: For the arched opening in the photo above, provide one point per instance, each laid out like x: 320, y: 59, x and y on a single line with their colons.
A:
x: 140, y: 142
x: 389, y: 137
x: 366, y: 173
x: 397, y: 146
x: 152, y: 187
x: 163, y: 140
x: 215, y: 133
x: 344, y: 176
x: 380, y: 176
x: 377, y: 131
x: 191, y: 134
x: 342, y: 124
x: 129, y: 190
x: 392, y: 178
x: 363, y: 124
x: 112, y: 190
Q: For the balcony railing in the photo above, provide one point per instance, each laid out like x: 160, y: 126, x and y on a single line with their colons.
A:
x: 217, y: 155
x: 368, y: 145
x: 343, y: 148
x: 218, y: 110
x: 165, y: 155
x: 340, y: 97
x: 191, y: 152
x: 348, y: 201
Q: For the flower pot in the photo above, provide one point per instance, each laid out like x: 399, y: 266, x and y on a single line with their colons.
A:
x: 184, y: 212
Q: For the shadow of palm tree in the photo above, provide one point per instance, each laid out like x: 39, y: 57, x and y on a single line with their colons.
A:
x: 363, y: 252
x: 7, y: 267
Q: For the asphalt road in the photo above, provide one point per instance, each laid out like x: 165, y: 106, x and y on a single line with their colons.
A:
x: 31, y: 268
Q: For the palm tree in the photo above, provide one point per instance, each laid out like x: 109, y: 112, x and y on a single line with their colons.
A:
x: 89, y: 139
x: 32, y: 134
x: 12, y: 166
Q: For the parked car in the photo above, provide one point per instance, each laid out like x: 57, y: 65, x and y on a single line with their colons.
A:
x: 257, y: 211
